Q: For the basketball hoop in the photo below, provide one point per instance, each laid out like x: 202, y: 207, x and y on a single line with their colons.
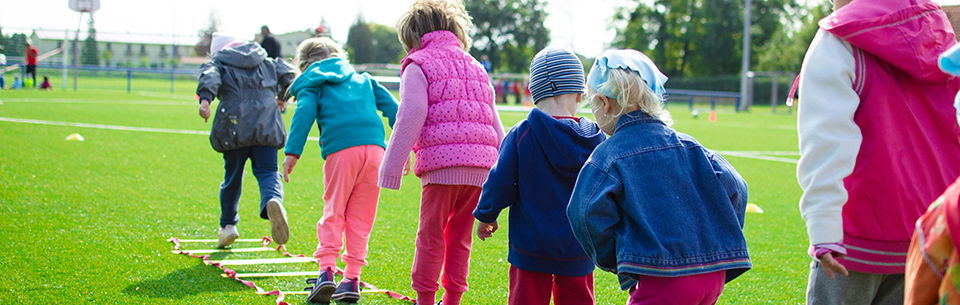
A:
x: 85, y: 6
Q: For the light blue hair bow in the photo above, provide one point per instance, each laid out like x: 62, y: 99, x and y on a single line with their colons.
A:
x: 950, y: 63
x: 631, y: 60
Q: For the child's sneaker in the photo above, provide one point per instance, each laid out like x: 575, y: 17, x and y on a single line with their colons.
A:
x: 227, y: 236
x: 348, y: 291
x: 278, y: 221
x: 323, y: 288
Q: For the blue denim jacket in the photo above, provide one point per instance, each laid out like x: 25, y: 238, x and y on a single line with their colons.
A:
x: 651, y: 201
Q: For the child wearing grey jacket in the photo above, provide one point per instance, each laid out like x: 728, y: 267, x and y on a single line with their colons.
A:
x: 247, y: 125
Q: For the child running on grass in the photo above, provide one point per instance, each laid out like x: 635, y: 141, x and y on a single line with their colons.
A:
x: 344, y: 105
x: 448, y: 119
x: 652, y: 205
x: 247, y: 125
x: 878, y: 143
x: 534, y: 176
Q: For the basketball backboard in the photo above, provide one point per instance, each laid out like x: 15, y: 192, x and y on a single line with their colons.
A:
x: 85, y: 6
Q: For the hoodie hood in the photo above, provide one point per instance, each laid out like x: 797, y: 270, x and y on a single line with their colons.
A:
x: 330, y: 70
x: 909, y: 34
x: 566, y: 143
x: 245, y: 56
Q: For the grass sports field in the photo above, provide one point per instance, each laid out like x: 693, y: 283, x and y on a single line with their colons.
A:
x: 87, y: 222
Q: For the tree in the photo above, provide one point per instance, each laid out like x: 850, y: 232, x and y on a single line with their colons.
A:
x: 385, y: 44
x: 14, y: 45
x: 202, y: 48
x: 697, y: 37
x: 786, y: 49
x: 509, y: 32
x: 90, y: 53
x: 360, y: 42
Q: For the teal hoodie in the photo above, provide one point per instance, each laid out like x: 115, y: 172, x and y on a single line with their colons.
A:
x: 344, y: 104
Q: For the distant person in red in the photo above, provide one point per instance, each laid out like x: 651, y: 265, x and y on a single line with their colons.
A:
x: 46, y: 84
x: 31, y: 53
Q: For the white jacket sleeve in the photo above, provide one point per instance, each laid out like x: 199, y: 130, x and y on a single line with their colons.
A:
x: 829, y: 138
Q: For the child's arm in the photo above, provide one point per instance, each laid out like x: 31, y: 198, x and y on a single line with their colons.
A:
x: 303, y: 120
x: 594, y: 213
x: 411, y: 116
x: 497, y: 124
x: 285, y: 76
x: 209, y: 82
x: 829, y: 138
x: 500, y: 190
x: 733, y: 183
x: 386, y: 103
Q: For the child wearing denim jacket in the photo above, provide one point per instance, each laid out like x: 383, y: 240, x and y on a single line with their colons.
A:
x: 652, y: 205
x: 448, y: 119
x: 343, y: 104
x: 534, y: 176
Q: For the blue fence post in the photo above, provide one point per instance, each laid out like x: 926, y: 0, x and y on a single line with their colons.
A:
x: 129, y: 77
x: 713, y: 103
x: 690, y: 101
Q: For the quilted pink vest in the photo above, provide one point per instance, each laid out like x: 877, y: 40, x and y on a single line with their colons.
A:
x: 458, y: 131
x: 911, y: 142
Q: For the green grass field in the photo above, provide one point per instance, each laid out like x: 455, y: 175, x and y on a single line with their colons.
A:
x: 87, y: 222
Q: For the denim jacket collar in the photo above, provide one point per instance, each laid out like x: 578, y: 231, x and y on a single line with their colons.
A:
x: 635, y: 117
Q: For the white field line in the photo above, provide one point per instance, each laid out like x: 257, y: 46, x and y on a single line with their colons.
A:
x: 759, y: 155
x: 86, y: 101
x: 115, y: 127
x: 754, y: 155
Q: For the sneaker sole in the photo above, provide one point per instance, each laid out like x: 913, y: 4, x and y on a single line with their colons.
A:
x: 278, y: 222
x: 322, y: 293
x: 349, y: 297
x: 229, y: 241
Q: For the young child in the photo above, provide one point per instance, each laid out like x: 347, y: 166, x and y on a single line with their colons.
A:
x: 447, y: 117
x: 933, y: 261
x: 46, y: 83
x: 247, y: 125
x: 534, y: 176
x: 344, y: 105
x: 878, y: 143
x: 652, y: 205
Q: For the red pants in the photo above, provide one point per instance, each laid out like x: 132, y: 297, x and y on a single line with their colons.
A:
x: 535, y: 288
x: 698, y: 289
x: 444, y: 240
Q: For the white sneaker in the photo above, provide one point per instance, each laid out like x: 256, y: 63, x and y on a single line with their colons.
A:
x: 278, y: 221
x: 227, y: 236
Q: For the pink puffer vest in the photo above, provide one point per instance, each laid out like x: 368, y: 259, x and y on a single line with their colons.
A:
x: 459, y: 129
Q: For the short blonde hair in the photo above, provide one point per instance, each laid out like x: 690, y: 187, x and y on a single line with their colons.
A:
x: 631, y: 91
x: 316, y: 49
x: 425, y: 16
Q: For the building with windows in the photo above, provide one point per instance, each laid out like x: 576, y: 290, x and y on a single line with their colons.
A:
x: 121, y: 49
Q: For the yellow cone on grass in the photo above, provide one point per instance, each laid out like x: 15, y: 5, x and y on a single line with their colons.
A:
x: 74, y: 137
x: 754, y: 208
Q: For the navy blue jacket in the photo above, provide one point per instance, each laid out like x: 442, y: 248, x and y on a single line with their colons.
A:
x: 652, y: 201
x: 534, y: 176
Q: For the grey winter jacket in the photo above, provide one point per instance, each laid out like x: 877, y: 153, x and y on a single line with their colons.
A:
x: 247, y: 83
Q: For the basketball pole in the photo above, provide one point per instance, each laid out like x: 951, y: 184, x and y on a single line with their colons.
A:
x: 76, y: 55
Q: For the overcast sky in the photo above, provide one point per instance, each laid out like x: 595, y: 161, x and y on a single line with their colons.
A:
x: 582, y: 25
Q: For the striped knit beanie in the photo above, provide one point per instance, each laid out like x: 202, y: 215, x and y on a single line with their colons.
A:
x: 554, y: 72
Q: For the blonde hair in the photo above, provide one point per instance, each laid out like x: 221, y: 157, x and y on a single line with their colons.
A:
x: 425, y: 16
x: 631, y: 91
x: 316, y: 49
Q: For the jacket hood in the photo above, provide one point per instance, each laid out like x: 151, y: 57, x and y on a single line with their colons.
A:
x: 246, y: 56
x: 330, y: 70
x: 566, y: 143
x: 909, y: 34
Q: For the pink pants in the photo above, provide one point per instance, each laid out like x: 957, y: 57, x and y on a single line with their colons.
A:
x: 698, y: 289
x: 350, y: 206
x: 443, y: 241
x: 535, y: 288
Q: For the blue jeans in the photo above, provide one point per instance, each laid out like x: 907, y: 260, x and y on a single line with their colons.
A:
x: 264, y: 162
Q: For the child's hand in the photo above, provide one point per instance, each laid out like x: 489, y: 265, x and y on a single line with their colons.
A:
x: 205, y: 110
x: 406, y: 166
x: 831, y: 265
x: 485, y: 230
x: 282, y: 104
x: 288, y: 163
